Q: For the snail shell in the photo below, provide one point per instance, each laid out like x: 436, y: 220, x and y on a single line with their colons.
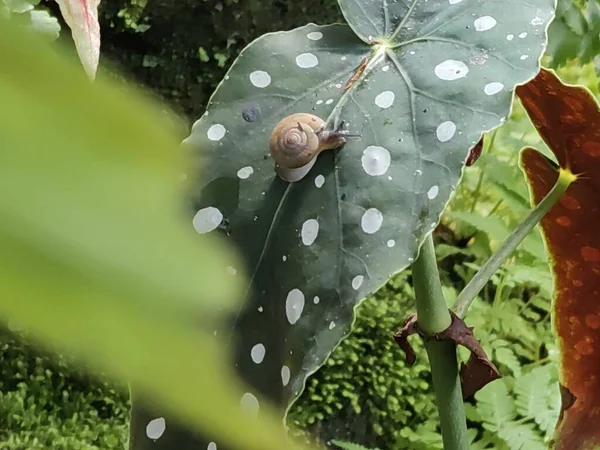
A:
x: 296, y: 142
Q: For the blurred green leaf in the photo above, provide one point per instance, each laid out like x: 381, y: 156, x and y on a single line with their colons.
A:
x: 96, y: 258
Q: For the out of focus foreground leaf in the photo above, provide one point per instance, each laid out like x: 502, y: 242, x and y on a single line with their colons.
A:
x: 96, y: 258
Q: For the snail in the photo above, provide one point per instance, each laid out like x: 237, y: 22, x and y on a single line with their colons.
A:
x: 298, y: 139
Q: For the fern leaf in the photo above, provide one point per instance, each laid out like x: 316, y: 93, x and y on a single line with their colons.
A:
x: 521, y: 437
x: 507, y: 357
x: 547, y: 418
x: 495, y: 405
x: 350, y: 446
x: 532, y: 392
x: 489, y: 441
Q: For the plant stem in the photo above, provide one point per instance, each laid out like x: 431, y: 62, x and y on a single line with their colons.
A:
x: 472, y: 289
x: 433, y: 317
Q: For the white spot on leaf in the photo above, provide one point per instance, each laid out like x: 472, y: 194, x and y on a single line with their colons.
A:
x: 451, y: 70
x: 329, y: 102
x: 385, y: 99
x: 156, y: 428
x: 285, y: 375
x: 306, y: 60
x: 445, y: 131
x: 230, y: 271
x: 294, y: 305
x: 332, y: 325
x: 316, y: 300
x: 250, y: 404
x: 493, y: 88
x: 454, y: 2
x: 537, y: 21
x: 319, y: 181
x: 523, y: 35
x: 524, y: 57
x: 245, y: 172
x: 485, y: 23
x: 385, y: 68
x: 391, y: 243
x: 510, y: 37
x: 376, y: 160
x: 371, y: 220
x: 433, y: 192
x: 212, y: 446
x: 315, y: 35
x: 258, y: 353
x: 207, y: 219
x: 216, y: 132
x: 260, y: 78
x: 357, y: 282
x: 310, y: 231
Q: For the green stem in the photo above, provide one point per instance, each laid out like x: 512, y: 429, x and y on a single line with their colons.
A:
x: 474, y: 287
x: 477, y: 191
x: 433, y: 316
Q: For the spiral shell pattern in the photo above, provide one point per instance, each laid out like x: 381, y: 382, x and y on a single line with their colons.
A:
x: 294, y: 142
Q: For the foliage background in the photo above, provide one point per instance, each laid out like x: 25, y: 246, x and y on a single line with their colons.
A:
x: 365, y: 393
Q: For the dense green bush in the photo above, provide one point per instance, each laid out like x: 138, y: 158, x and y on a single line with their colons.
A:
x: 45, y: 403
x: 365, y: 392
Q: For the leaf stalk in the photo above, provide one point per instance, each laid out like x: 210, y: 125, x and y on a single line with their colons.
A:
x: 433, y: 316
x: 474, y: 287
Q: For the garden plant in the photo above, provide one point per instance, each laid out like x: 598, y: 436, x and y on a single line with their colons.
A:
x: 319, y: 171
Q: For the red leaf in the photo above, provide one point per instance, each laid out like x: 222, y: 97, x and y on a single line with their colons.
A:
x: 475, y: 153
x: 568, y: 119
x: 82, y: 18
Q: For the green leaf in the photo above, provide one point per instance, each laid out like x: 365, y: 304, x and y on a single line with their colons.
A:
x: 506, y: 356
x: 441, y: 74
x: 575, y: 33
x: 521, y: 437
x: 495, y: 405
x: 497, y: 230
x: 349, y: 446
x: 532, y: 392
x: 97, y: 259
x: 43, y: 23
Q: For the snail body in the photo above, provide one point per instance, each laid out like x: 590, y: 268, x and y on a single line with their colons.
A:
x: 297, y: 141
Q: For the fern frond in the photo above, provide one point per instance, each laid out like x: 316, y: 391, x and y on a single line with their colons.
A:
x: 489, y: 441
x: 507, y: 357
x: 532, y: 392
x: 495, y: 405
x: 350, y: 446
x: 521, y: 437
x: 547, y: 418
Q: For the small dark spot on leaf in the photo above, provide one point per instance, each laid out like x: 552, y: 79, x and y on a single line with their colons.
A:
x: 224, y: 225
x: 475, y: 153
x: 251, y: 112
x: 425, y: 110
x: 343, y: 197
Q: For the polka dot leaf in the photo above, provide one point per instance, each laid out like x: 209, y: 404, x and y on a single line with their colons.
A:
x: 419, y: 82
x: 568, y: 119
